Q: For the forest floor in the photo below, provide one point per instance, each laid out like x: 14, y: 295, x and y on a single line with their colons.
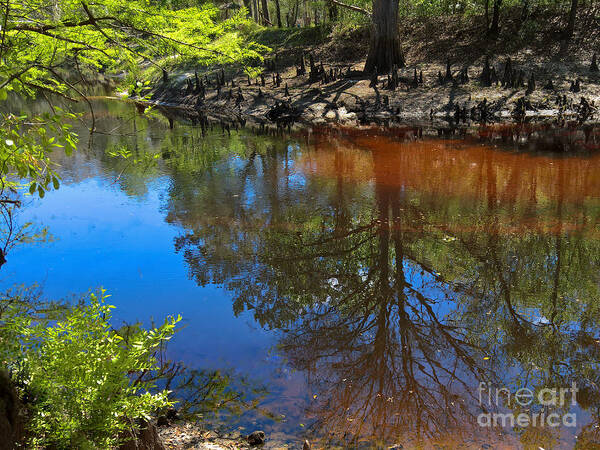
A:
x: 340, y: 93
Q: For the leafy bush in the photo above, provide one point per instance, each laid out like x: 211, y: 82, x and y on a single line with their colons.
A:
x: 83, y: 382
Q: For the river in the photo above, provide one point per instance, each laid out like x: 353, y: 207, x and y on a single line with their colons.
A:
x: 358, y: 288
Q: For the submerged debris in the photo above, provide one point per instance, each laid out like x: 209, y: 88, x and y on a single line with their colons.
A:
x: 256, y: 438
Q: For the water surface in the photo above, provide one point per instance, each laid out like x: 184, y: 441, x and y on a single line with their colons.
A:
x: 369, y: 281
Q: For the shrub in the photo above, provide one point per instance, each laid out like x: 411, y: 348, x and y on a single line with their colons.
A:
x: 83, y: 381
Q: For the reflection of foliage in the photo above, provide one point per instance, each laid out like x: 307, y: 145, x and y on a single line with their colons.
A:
x: 200, y: 394
x: 13, y: 234
x: 138, y: 164
x: 397, y: 302
x: 138, y: 149
x: 206, y: 394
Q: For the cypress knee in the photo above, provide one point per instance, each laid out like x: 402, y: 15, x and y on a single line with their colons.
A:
x: 594, y: 66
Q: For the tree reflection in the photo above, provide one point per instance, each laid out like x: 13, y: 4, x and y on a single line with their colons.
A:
x: 13, y: 232
x: 396, y: 293
x: 380, y: 348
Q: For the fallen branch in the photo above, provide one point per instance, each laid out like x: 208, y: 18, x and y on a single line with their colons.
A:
x: 351, y: 7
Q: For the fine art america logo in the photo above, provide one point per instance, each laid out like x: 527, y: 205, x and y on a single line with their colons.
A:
x: 548, y: 399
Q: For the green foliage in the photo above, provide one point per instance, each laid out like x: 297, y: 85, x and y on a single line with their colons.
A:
x: 84, y: 380
x: 292, y: 37
x: 25, y: 146
x: 41, y: 42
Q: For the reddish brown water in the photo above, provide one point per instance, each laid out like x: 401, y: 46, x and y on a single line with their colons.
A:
x: 498, y: 281
x: 530, y: 191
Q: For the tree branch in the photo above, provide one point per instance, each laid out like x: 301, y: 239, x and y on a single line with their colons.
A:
x: 351, y: 7
x: 87, y: 100
x: 69, y: 24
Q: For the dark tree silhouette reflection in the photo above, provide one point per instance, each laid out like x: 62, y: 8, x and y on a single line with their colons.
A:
x: 400, y: 274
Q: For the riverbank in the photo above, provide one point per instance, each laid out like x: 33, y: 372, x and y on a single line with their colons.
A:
x: 194, y: 436
x: 453, y: 79
x: 353, y: 100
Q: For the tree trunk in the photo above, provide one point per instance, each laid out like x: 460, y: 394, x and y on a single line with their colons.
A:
x: 265, y: 12
x: 487, y: 14
x: 524, y: 13
x: 495, y: 27
x: 305, y: 14
x: 295, y: 15
x: 248, y: 6
x: 572, y: 17
x: 12, y: 428
x: 384, y: 50
x: 278, y: 13
x: 332, y: 10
